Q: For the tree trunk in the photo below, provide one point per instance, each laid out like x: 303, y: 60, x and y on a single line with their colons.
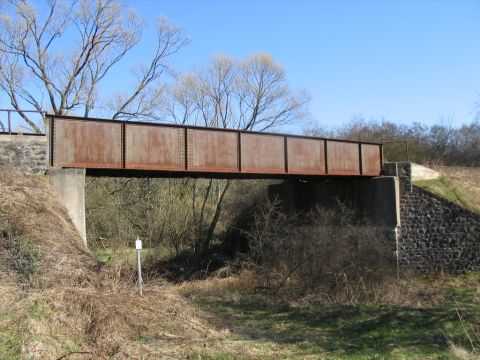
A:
x: 216, y: 216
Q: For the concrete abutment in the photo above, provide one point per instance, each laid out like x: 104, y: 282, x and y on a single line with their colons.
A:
x: 375, y: 199
x: 70, y: 186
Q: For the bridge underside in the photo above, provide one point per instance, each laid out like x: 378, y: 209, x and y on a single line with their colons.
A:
x: 126, y: 173
x: 117, y: 148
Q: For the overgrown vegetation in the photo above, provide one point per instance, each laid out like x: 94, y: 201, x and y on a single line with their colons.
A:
x: 57, y: 299
x: 180, y: 218
x: 325, y: 251
x: 274, y: 285
x: 332, y: 305
x: 19, y: 257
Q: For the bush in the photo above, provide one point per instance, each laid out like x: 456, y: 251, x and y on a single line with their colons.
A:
x: 321, y: 249
x: 19, y: 258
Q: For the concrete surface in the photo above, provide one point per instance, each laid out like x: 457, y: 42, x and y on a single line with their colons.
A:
x: 376, y: 199
x: 70, y: 186
x: 420, y: 172
x: 417, y: 172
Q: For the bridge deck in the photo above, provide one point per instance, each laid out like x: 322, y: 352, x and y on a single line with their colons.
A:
x: 117, y: 147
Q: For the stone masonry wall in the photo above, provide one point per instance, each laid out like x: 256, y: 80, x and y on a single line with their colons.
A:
x: 435, y: 234
x: 26, y: 153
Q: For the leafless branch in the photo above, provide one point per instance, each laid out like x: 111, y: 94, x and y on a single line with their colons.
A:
x: 66, y: 50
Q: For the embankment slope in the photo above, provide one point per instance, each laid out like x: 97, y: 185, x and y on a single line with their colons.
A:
x: 56, y: 299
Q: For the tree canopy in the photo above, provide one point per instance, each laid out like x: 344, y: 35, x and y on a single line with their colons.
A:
x: 56, y: 56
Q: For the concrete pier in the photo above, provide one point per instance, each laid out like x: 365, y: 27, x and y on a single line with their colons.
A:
x: 70, y: 186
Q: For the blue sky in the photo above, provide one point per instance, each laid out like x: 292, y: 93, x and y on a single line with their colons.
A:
x: 403, y: 60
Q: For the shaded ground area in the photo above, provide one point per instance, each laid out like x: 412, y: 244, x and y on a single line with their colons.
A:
x: 188, y: 266
x: 362, y: 331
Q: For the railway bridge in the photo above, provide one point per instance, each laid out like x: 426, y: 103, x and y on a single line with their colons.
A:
x: 314, y: 169
x: 125, y: 148
x: 428, y: 233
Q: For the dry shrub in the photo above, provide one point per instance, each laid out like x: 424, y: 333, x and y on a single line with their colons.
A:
x: 326, y: 252
x: 171, y: 213
x: 57, y: 298
x: 231, y: 287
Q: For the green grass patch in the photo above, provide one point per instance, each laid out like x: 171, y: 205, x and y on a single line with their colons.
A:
x: 21, y: 257
x: 110, y: 256
x: 365, y: 331
x: 10, y: 345
x: 451, y: 190
x: 11, y: 339
x: 215, y: 356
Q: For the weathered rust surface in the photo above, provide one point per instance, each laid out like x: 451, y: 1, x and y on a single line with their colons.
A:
x: 104, y: 144
x: 154, y: 147
x: 87, y: 144
x: 343, y: 158
x: 371, y: 159
x: 212, y: 151
x: 305, y: 156
x: 262, y: 154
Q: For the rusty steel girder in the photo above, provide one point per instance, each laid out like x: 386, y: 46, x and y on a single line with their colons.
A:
x: 109, y: 144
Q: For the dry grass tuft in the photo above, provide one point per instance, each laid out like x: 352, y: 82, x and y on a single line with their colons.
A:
x: 405, y: 291
x: 69, y: 303
x: 471, y: 333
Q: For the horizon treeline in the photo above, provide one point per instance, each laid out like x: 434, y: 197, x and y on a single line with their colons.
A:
x: 437, y: 144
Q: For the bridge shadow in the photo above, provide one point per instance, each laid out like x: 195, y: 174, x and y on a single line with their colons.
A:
x: 344, y: 330
x: 189, y: 266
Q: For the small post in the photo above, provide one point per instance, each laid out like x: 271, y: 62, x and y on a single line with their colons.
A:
x: 138, y: 247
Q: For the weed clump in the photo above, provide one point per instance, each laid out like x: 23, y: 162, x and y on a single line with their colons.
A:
x: 19, y: 257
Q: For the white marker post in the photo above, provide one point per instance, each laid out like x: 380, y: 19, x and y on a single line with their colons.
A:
x: 138, y: 247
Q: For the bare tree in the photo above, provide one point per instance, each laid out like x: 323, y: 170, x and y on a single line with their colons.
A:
x: 250, y: 94
x: 264, y: 98
x: 63, y: 52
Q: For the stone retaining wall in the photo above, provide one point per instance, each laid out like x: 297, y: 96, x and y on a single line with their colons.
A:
x: 435, y: 234
x: 26, y: 153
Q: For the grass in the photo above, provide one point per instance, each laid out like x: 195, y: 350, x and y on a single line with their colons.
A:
x: 11, y: 340
x: 109, y: 256
x: 444, y: 187
x: 123, y: 255
x: 339, y: 331
x: 458, y: 185
x: 213, y: 356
